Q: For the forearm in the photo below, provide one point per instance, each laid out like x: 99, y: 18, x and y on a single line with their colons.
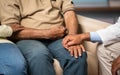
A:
x: 29, y: 33
x: 71, y: 22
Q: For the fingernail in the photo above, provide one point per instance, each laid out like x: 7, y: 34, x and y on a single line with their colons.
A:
x: 79, y: 54
x: 84, y: 50
x: 76, y: 56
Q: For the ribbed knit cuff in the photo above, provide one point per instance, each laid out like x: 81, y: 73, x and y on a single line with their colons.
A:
x: 5, y: 31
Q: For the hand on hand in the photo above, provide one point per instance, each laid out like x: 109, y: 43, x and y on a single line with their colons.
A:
x: 76, y: 50
x: 73, y: 44
x: 70, y: 40
x: 16, y: 27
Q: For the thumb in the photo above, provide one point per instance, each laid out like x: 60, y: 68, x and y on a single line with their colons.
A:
x: 70, y: 43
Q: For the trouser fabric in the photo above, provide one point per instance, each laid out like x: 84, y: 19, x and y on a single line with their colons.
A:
x: 40, y: 55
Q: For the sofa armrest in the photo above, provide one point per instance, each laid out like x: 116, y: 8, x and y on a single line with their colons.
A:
x: 88, y: 25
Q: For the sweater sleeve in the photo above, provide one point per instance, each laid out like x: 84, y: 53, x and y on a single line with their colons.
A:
x: 5, y: 31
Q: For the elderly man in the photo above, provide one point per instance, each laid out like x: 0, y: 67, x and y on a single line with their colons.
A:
x: 108, y: 49
x: 45, y: 23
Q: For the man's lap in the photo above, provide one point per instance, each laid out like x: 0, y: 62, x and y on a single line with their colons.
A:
x: 53, y: 47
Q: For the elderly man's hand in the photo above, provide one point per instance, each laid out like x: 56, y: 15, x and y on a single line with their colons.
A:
x: 56, y: 32
x: 115, y: 66
x: 16, y: 27
x: 76, y: 50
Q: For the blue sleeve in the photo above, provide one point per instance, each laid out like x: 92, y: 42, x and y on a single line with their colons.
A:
x: 94, y: 37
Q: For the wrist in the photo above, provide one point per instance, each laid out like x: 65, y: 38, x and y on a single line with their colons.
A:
x: 86, y: 36
x: 47, y: 33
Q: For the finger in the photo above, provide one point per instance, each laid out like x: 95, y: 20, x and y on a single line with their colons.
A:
x: 83, y: 48
x: 18, y: 29
x: 64, y: 46
x: 114, y: 73
x: 69, y: 49
x: 65, y: 40
x: 79, y: 51
x: 75, y: 51
x: 114, y: 70
x: 70, y: 43
x: 71, y: 52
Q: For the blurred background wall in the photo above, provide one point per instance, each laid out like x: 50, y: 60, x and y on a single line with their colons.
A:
x: 104, y: 10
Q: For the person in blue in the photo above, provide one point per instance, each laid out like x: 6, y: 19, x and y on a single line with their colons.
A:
x: 12, y: 61
x: 45, y: 22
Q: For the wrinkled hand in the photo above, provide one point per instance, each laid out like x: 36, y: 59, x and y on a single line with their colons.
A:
x: 71, y: 40
x: 115, y: 66
x: 57, y: 32
x: 16, y: 27
x: 76, y: 50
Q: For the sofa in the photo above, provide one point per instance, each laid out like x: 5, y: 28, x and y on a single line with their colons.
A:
x: 87, y: 25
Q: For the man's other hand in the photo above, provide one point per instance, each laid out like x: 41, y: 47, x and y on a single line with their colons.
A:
x: 16, y: 27
x: 57, y: 32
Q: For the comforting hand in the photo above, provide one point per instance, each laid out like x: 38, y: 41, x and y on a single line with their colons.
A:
x: 16, y: 27
x: 70, y: 40
x: 57, y: 32
x: 76, y: 50
x: 115, y: 66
